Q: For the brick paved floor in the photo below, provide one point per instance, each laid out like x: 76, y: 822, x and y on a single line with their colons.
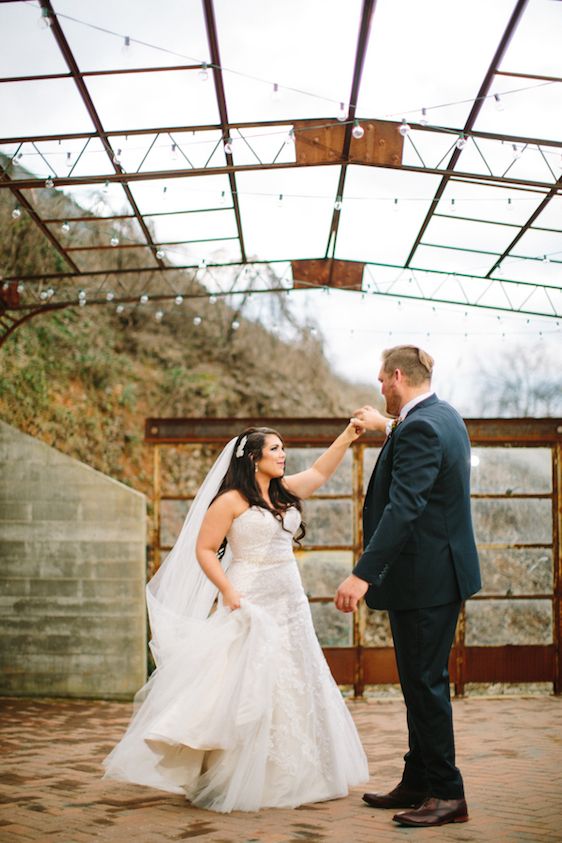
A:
x: 510, y: 752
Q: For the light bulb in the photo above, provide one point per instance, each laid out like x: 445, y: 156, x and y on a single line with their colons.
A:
x: 69, y: 159
x: 204, y: 72
x: 517, y: 153
x: 235, y: 325
x: 174, y: 152
x: 143, y: 299
x: 45, y: 20
x: 202, y: 263
x: 16, y: 213
x: 109, y: 296
x: 275, y: 93
x: 120, y: 308
x: 160, y: 254
x: 65, y: 227
x: 358, y: 131
x: 106, y: 187
x: 423, y: 121
x: 337, y: 204
x: 82, y: 302
x: 228, y: 146
x: 49, y: 183
x: 50, y: 292
x: 212, y: 299
x: 341, y: 113
x: 43, y: 295
x: 290, y: 137
x: 197, y: 321
x: 223, y: 197
x: 114, y: 241
x: 81, y: 295
x: 509, y: 203
x: 178, y: 299
x: 21, y: 287
x: 498, y: 102
x: 546, y: 259
x: 403, y: 128
x: 280, y: 201
x: 159, y: 315
x: 126, y: 44
x: 395, y: 205
x: 461, y: 142
x: 117, y: 157
x: 453, y: 209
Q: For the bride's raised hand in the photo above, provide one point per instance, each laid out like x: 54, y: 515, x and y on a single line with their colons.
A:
x: 231, y: 598
x: 369, y: 418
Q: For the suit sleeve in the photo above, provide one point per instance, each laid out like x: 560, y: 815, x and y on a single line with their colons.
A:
x: 416, y: 464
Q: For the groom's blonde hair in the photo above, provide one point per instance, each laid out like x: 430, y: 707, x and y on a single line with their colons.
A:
x: 414, y: 363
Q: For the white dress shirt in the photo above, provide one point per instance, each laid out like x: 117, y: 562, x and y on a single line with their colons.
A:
x: 406, y: 409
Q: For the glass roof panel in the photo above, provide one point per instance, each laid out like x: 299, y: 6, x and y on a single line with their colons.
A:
x: 263, y: 144
x: 193, y: 193
x: 30, y: 49
x: 195, y: 226
x: 486, y: 202
x: 114, y: 258
x: 470, y: 235
x: 535, y: 112
x: 427, y: 55
x: 540, y: 244
x: 274, y: 205
x: 551, y: 215
x: 535, y: 272
x: 221, y: 251
x: 303, y: 47
x: 148, y: 100
x: 45, y: 107
x: 178, y: 29
x: 452, y: 260
x: 375, y: 228
x: 541, y: 25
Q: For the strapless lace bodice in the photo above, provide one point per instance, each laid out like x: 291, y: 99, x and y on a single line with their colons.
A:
x: 258, y: 537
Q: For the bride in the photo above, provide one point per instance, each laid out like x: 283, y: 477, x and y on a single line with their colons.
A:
x: 242, y: 711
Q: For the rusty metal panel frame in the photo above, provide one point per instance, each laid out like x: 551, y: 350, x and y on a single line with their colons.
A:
x: 358, y: 665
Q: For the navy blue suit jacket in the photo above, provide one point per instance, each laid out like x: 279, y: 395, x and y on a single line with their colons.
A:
x: 417, y: 525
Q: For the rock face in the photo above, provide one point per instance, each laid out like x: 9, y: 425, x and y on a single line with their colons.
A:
x: 73, y: 548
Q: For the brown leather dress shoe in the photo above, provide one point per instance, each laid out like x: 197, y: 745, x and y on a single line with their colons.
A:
x: 434, y: 812
x: 400, y: 797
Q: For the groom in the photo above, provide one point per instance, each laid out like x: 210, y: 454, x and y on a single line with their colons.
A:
x: 419, y: 562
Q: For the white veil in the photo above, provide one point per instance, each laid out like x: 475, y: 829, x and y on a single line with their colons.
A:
x: 180, y: 592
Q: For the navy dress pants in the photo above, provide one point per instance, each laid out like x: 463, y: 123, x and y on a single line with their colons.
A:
x: 422, y: 643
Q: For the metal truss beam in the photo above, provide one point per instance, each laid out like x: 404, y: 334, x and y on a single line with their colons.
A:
x: 474, y: 112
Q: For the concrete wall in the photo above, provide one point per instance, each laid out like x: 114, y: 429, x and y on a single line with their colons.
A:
x: 72, y: 575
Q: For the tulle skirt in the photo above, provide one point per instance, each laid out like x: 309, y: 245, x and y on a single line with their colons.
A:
x: 243, y: 714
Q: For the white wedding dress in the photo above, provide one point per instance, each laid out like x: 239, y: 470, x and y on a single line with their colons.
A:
x: 244, y: 713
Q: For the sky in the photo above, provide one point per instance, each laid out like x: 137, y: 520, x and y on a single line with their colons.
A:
x: 430, y: 55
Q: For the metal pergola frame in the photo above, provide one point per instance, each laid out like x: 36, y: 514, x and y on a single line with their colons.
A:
x: 318, y: 143
x: 360, y: 665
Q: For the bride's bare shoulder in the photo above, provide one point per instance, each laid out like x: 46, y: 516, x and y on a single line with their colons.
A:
x: 231, y: 503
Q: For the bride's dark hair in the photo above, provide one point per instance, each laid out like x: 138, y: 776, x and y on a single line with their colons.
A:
x: 241, y: 475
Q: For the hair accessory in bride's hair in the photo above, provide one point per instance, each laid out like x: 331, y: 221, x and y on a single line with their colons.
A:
x: 240, y: 448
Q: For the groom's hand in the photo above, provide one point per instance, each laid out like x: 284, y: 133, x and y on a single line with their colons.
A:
x: 369, y: 418
x: 350, y: 593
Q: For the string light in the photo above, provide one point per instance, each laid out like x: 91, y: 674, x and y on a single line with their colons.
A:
x: 275, y: 93
x: 358, y: 131
x: 160, y: 254
x: 178, y: 299
x: 126, y: 44
x: 212, y: 299
x: 338, y: 203
x: 143, y: 299
x: 159, y: 315
x: 117, y: 157
x: 49, y: 183
x: 404, y: 128
x: 228, y: 145
x: 461, y: 142
x: 45, y: 21
x: 280, y: 201
x: 517, y: 152
x: 197, y: 321
x: 16, y: 213
x: 120, y: 308
x: 498, y: 102
x: 341, y: 113
x: 109, y: 296
x: 114, y: 241
x: 106, y: 187
x: 204, y: 72
x: 290, y: 139
x: 235, y: 325
x: 423, y: 121
x: 65, y: 227
x: 202, y: 263
x: 174, y: 152
x: 20, y: 287
x: 69, y: 159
